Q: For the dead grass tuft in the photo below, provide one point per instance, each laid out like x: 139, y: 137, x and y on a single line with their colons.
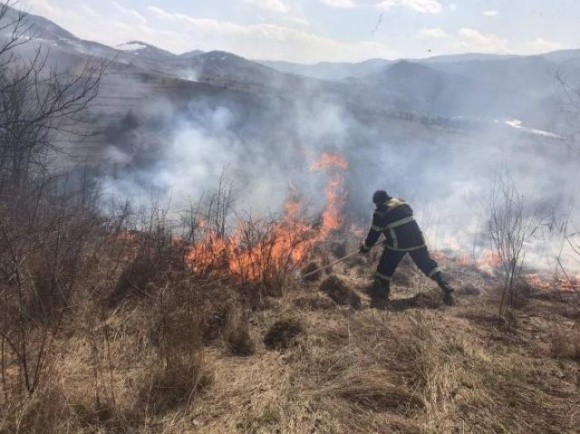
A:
x: 565, y: 342
x: 311, y: 272
x: 372, y: 391
x: 309, y: 302
x: 428, y: 300
x: 237, y: 335
x: 134, y: 279
x: 340, y: 293
x: 468, y: 290
x: 403, y: 279
x: 283, y: 334
x: 175, y: 384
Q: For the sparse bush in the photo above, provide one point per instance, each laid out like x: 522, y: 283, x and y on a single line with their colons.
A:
x: 509, y: 228
x: 46, y: 411
x: 181, y: 370
x: 176, y: 383
x: 338, y: 249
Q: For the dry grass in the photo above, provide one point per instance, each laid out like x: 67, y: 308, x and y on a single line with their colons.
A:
x: 340, y: 293
x: 168, y: 351
x: 565, y: 342
x: 283, y: 334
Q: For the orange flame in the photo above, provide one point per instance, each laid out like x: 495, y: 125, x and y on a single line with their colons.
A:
x: 256, y: 251
x: 328, y: 161
x: 489, y: 261
x: 260, y: 251
x: 555, y: 284
x: 335, y: 192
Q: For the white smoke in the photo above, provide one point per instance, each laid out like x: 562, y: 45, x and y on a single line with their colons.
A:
x: 267, y: 144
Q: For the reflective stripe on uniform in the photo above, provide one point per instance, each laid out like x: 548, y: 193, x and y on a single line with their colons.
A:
x: 382, y: 276
x: 400, y: 222
x: 410, y: 249
x: 434, y: 271
x: 394, y: 238
x: 394, y: 224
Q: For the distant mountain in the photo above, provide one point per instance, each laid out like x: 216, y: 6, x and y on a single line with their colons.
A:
x: 466, y: 57
x: 342, y: 70
x: 329, y: 70
x: 476, y: 85
x: 563, y: 56
x: 418, y: 88
x: 223, y: 65
x: 35, y: 26
x: 191, y: 54
x: 139, y: 57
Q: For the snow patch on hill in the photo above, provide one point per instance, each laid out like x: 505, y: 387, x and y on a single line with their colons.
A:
x: 131, y: 46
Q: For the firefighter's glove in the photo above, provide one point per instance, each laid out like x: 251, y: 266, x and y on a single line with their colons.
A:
x: 363, y: 250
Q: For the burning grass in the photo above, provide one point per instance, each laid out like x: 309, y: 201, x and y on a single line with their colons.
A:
x: 267, y: 251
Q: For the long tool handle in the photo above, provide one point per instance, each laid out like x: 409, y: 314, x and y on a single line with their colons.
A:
x: 329, y: 265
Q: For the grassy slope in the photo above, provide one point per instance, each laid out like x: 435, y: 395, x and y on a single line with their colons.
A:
x: 412, y: 370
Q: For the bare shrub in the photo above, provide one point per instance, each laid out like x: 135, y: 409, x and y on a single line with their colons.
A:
x: 44, y: 224
x: 152, y: 254
x: 42, y: 238
x: 181, y: 371
x: 45, y: 411
x: 264, y: 253
x: 509, y: 227
x: 37, y: 104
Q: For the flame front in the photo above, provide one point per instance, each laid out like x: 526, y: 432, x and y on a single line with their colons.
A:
x: 335, y: 192
x: 260, y: 251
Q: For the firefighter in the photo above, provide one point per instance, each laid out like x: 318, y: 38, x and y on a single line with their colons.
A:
x: 394, y: 219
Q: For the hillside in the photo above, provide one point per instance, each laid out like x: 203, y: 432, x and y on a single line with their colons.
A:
x: 184, y: 353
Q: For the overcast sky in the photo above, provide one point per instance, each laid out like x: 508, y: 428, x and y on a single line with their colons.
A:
x: 324, y: 30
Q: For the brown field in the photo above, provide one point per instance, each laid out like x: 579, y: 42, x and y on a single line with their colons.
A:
x: 145, y: 346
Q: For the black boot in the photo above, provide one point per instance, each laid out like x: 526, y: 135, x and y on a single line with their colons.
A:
x: 379, y: 293
x: 445, y: 287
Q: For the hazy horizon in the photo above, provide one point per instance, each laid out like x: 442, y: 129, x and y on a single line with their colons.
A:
x: 316, y: 31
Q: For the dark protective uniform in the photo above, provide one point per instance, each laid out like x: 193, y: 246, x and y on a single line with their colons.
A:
x: 394, y: 219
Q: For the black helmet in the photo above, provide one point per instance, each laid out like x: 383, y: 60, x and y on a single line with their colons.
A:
x: 380, y: 196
